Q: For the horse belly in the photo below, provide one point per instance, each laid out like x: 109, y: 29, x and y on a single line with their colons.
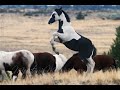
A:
x: 72, y: 44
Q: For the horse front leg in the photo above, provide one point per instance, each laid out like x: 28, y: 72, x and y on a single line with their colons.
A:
x: 63, y: 36
x: 15, y: 73
x: 4, y: 75
x: 52, y: 42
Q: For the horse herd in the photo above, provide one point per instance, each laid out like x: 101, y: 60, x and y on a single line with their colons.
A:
x: 85, y: 60
x: 37, y: 63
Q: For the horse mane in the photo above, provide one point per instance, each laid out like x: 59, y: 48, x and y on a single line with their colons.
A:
x: 67, y: 17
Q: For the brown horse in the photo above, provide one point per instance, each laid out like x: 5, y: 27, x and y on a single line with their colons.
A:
x: 102, y: 62
x: 47, y: 62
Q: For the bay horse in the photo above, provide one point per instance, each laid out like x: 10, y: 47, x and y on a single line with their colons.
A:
x: 102, y: 62
x: 71, y: 39
x: 15, y: 61
x: 46, y: 62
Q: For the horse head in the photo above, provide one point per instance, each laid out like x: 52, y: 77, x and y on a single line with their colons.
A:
x: 58, y: 15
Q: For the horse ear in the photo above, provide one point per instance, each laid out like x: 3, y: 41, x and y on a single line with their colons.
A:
x: 60, y: 8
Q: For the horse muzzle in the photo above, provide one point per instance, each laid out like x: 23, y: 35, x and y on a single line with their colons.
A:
x: 52, y: 20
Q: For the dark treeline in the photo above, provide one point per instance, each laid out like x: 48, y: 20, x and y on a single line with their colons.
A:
x: 69, y: 7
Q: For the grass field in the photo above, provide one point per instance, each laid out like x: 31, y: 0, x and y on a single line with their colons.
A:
x: 33, y: 33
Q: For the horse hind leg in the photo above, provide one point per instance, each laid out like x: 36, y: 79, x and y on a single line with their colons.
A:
x: 90, y: 65
x: 26, y: 71
x: 26, y: 68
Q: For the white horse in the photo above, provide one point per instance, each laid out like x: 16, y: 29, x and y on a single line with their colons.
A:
x: 15, y: 61
x: 72, y: 40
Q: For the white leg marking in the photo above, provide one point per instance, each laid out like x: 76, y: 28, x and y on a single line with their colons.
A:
x: 90, y: 65
x: 14, y: 78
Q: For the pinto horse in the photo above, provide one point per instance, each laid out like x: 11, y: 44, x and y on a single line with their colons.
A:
x: 15, y: 61
x: 46, y: 62
x: 72, y: 40
x: 102, y: 62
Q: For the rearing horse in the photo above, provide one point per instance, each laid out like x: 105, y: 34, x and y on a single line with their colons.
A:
x: 72, y: 40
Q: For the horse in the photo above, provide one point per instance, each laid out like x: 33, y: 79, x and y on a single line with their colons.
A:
x: 15, y: 61
x: 45, y: 62
x: 71, y: 39
x: 102, y: 62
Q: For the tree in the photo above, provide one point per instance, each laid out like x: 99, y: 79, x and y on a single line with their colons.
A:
x: 115, y: 47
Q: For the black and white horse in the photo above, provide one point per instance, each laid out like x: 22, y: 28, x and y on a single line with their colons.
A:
x: 15, y: 61
x: 72, y: 40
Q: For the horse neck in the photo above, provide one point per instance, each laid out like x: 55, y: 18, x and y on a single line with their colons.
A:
x: 60, y: 24
x: 63, y: 19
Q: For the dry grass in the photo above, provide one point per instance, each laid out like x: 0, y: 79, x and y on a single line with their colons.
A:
x: 33, y: 33
x: 71, y: 78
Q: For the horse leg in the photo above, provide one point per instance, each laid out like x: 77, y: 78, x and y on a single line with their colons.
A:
x: 1, y: 76
x: 39, y: 70
x: 23, y: 71
x: 15, y: 73
x: 52, y: 42
x: 4, y: 74
x: 28, y: 73
x: 90, y: 65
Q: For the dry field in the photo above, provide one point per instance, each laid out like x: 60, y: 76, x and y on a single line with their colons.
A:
x: 33, y: 33
x: 70, y: 78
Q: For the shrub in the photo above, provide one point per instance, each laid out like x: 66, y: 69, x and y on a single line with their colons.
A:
x: 80, y: 16
x: 115, y: 47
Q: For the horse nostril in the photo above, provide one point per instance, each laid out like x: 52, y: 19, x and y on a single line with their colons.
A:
x: 49, y: 23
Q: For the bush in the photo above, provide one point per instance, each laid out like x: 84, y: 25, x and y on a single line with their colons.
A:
x: 115, y: 47
x: 34, y: 13
x: 80, y: 16
x: 114, y: 17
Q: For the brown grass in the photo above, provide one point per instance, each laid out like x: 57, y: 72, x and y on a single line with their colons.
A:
x: 70, y: 78
x: 33, y: 33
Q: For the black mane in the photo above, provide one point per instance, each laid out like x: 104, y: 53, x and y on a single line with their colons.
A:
x: 59, y: 12
x: 67, y: 17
